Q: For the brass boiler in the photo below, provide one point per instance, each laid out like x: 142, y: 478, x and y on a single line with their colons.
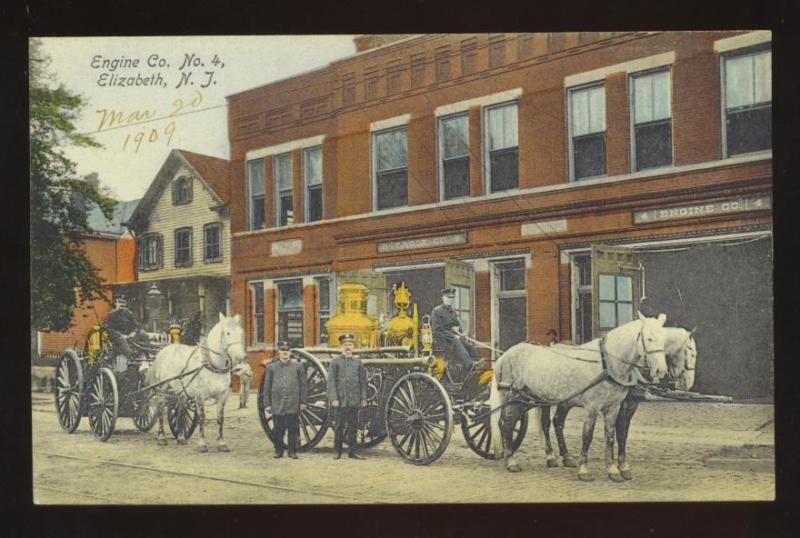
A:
x: 351, y: 317
x: 402, y: 329
x: 97, y: 339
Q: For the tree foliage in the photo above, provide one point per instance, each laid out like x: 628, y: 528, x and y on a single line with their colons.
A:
x: 59, y: 203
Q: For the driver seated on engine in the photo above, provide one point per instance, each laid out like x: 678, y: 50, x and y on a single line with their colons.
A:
x: 448, y: 338
x: 121, y: 325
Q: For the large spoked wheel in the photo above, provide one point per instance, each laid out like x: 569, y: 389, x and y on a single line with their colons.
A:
x: 103, y: 404
x: 478, y: 433
x: 371, y: 427
x: 314, y: 418
x: 182, y: 417
x: 68, y: 388
x: 144, y: 409
x: 419, y: 418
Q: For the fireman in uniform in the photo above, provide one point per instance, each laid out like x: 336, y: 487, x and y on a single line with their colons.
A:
x: 121, y: 325
x: 447, y: 336
x: 285, y: 396
x: 347, y: 391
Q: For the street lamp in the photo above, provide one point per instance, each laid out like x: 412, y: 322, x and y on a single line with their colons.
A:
x: 154, y: 299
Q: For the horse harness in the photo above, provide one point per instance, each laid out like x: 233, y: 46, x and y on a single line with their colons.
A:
x: 522, y: 397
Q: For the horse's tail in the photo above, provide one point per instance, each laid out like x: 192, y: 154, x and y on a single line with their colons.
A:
x: 496, y: 408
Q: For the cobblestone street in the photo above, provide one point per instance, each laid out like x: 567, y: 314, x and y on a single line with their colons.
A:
x: 679, y: 452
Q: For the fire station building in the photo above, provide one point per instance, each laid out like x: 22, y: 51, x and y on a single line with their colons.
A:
x: 555, y: 180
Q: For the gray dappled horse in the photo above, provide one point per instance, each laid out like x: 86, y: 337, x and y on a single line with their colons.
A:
x: 681, y: 351
x: 213, y: 359
x: 542, y: 373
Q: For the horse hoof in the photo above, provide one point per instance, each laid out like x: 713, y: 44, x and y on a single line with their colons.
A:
x: 569, y: 462
x: 223, y: 448
x: 615, y: 477
x: 202, y: 448
x: 552, y: 462
x: 181, y: 441
x: 585, y: 477
x: 627, y: 475
x: 514, y: 468
x: 161, y: 442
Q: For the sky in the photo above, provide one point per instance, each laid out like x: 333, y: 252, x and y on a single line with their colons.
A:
x: 183, y: 106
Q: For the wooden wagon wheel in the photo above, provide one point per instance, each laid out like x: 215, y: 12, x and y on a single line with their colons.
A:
x: 314, y: 419
x: 103, y: 403
x: 419, y: 418
x: 478, y: 433
x: 182, y: 416
x: 144, y: 412
x: 68, y: 391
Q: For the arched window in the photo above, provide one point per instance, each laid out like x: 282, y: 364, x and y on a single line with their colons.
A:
x: 182, y: 190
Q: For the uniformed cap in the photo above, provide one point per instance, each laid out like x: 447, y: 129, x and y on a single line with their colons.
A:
x: 451, y: 292
x: 121, y: 299
x: 283, y: 345
x: 347, y: 338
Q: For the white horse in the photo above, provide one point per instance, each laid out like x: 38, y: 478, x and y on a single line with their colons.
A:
x: 543, y: 374
x: 681, y: 352
x: 210, y: 362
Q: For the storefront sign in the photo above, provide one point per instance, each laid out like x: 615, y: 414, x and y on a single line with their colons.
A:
x: 545, y: 227
x: 288, y: 247
x: 735, y: 205
x: 423, y: 242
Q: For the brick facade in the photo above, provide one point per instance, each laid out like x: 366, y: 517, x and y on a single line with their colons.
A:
x: 353, y: 95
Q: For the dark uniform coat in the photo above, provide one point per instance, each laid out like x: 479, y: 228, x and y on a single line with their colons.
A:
x: 443, y: 319
x: 285, y: 386
x: 122, y: 321
x: 347, y: 381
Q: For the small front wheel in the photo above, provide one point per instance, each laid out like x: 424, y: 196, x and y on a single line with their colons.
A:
x: 419, y: 418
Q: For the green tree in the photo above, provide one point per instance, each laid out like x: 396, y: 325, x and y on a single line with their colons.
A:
x: 62, y: 276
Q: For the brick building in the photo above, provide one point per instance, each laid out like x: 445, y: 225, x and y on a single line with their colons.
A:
x: 555, y: 179
x: 112, y: 250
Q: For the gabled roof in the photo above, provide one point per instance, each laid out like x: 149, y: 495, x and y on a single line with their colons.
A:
x: 100, y: 224
x: 212, y: 171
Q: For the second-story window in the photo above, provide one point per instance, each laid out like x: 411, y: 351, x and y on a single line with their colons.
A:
x: 150, y: 252
x: 390, y: 163
x: 282, y: 172
x: 652, y: 120
x: 183, y: 247
x: 587, y: 122
x: 748, y: 101
x: 501, y: 144
x: 182, y: 190
x: 312, y: 178
x: 454, y: 155
x: 212, y: 242
x: 255, y: 194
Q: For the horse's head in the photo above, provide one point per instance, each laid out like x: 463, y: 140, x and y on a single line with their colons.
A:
x: 684, y: 364
x: 232, y: 338
x: 652, y: 345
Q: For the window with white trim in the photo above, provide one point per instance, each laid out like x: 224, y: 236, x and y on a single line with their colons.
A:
x: 587, y: 130
x: 182, y: 190
x: 747, y: 96
x: 282, y: 172
x: 616, y: 300
x: 390, y: 165
x: 651, y: 111
x: 502, y: 147
x: 255, y: 194
x: 312, y: 179
x: 454, y: 156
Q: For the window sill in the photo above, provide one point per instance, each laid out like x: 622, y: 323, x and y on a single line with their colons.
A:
x: 214, y: 260
x: 183, y: 265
